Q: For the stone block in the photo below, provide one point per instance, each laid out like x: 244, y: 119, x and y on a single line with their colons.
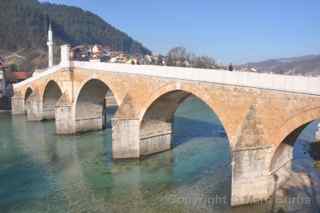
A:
x: 34, y: 110
x: 65, y: 123
x: 156, y: 143
x: 125, y: 139
x: 17, y: 106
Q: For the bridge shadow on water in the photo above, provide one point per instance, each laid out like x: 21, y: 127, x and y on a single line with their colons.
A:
x: 184, y: 129
x: 60, y: 171
x: 197, y: 166
x: 299, y: 192
x: 110, y: 112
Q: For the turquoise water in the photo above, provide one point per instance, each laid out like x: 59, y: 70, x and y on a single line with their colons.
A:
x: 43, y: 172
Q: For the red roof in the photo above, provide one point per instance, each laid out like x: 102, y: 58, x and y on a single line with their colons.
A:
x: 21, y: 75
x: 2, y: 64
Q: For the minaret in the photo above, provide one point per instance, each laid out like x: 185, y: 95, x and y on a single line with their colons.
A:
x: 50, y: 46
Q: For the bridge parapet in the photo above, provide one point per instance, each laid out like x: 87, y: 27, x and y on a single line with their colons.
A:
x: 286, y: 83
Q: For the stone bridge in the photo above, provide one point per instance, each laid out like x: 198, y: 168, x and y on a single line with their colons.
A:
x: 262, y: 114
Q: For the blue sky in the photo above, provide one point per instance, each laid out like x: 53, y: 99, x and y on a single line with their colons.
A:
x: 234, y: 31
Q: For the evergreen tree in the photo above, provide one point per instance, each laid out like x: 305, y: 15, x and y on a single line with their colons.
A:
x: 23, y: 24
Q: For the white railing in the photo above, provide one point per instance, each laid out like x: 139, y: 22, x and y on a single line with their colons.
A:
x: 297, y: 84
x: 38, y: 76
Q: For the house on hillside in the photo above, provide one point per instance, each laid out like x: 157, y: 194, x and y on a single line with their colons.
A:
x: 96, y: 53
x: 91, y: 53
x: 119, y: 57
x: 80, y: 53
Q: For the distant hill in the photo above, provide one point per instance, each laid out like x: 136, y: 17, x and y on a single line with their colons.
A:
x: 24, y: 25
x: 305, y: 65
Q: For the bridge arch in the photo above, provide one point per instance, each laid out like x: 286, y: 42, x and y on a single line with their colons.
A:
x: 91, y: 101
x: 50, y: 97
x: 157, y: 116
x: 27, y: 95
x: 281, y: 158
x: 197, y: 92
x: 106, y: 81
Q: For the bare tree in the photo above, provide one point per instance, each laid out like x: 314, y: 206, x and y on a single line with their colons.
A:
x: 177, y: 56
x: 205, y: 62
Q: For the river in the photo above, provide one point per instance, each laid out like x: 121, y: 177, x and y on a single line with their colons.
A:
x: 43, y: 172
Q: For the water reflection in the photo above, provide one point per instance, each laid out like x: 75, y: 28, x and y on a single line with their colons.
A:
x: 43, y: 172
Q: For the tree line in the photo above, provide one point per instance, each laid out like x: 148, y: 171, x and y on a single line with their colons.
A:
x: 179, y: 56
x: 24, y: 24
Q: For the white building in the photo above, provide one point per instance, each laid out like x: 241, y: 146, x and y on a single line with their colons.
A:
x: 2, y: 84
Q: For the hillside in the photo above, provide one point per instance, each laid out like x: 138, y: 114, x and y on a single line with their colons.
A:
x: 305, y: 65
x: 24, y: 25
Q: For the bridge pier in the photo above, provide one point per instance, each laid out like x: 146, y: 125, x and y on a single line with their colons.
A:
x: 88, y: 124
x: 48, y: 113
x: 125, y: 138
x: 64, y: 119
x: 92, y: 118
x: 128, y: 142
x: 34, y: 108
x: 17, y: 105
x: 155, y: 139
x: 251, y: 181
x: 66, y: 123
